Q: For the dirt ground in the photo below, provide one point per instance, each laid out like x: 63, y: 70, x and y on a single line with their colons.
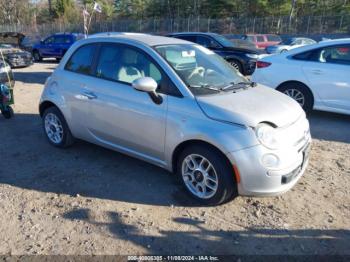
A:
x: 90, y: 200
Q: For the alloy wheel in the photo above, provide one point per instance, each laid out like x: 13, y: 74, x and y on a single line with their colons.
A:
x: 53, y: 128
x: 199, y: 176
x: 296, y: 95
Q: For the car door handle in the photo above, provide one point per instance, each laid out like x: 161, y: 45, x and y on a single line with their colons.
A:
x: 90, y: 95
x: 317, y: 72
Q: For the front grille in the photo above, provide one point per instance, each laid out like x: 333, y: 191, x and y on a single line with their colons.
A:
x: 289, y: 177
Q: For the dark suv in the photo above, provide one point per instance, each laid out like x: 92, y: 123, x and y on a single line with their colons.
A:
x: 54, y: 46
x: 243, y: 59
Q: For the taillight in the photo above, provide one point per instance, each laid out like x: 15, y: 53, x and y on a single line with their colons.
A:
x: 261, y: 64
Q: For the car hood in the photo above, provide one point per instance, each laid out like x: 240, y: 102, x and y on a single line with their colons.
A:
x: 245, y: 50
x: 251, y: 107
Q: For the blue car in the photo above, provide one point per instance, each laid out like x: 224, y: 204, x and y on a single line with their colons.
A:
x: 54, y: 46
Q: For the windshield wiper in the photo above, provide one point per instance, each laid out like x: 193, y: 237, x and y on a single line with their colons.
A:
x: 205, y: 87
x: 239, y: 85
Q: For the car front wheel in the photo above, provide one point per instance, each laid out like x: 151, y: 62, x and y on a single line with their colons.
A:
x: 206, y: 175
x: 37, y: 57
x: 56, y: 128
x: 236, y: 65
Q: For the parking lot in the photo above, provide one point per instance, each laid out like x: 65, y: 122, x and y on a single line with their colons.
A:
x: 90, y: 200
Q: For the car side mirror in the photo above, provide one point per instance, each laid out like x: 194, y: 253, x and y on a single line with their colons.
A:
x: 148, y: 85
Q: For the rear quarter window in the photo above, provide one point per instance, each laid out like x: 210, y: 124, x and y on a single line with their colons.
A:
x: 304, y: 55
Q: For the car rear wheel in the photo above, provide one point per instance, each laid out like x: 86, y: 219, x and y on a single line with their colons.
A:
x: 206, y: 175
x: 300, y: 93
x: 56, y: 128
x: 237, y: 65
x: 37, y: 57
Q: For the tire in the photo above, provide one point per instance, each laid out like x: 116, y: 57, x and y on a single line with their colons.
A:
x: 37, y: 57
x: 60, y: 135
x: 226, y: 187
x: 8, y: 112
x: 294, y: 90
x: 237, y: 65
x: 283, y: 50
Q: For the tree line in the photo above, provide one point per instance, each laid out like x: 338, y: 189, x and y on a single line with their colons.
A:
x: 38, y: 12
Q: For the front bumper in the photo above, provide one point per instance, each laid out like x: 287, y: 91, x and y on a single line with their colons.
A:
x: 20, y: 61
x: 257, y: 180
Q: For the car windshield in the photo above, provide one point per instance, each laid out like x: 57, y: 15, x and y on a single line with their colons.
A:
x: 202, y: 70
x: 288, y: 41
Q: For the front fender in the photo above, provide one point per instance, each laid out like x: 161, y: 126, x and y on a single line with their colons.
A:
x: 187, y: 122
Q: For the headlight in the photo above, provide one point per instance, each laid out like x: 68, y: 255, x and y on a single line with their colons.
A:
x: 267, y: 135
x: 254, y: 56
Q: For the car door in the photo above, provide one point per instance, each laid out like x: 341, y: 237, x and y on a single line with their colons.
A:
x: 327, y: 72
x: 61, y: 45
x: 120, y: 116
x: 76, y: 76
x: 46, y: 48
x: 58, y: 45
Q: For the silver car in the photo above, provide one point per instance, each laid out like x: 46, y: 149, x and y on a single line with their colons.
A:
x: 289, y: 44
x: 179, y: 106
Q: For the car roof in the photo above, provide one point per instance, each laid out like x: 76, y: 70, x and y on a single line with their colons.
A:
x: 193, y: 33
x: 336, y: 41
x: 310, y: 47
x: 147, y: 39
x: 261, y: 34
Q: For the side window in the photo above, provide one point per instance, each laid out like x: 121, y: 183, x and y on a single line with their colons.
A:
x: 335, y: 54
x: 190, y: 38
x: 59, y: 39
x: 250, y: 38
x: 81, y: 60
x: 303, y: 56
x: 49, y: 40
x: 121, y: 63
x: 260, y: 38
x: 298, y: 42
x: 203, y: 41
x: 206, y: 41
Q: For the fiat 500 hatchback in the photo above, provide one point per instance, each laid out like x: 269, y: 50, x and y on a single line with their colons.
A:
x: 177, y: 105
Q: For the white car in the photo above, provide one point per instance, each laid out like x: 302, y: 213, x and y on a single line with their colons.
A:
x: 316, y: 76
x: 289, y: 44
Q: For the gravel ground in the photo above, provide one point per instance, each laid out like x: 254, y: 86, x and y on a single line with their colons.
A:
x: 90, y: 200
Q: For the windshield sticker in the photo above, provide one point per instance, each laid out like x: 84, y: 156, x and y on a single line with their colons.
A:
x: 188, y: 53
x: 205, y: 50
